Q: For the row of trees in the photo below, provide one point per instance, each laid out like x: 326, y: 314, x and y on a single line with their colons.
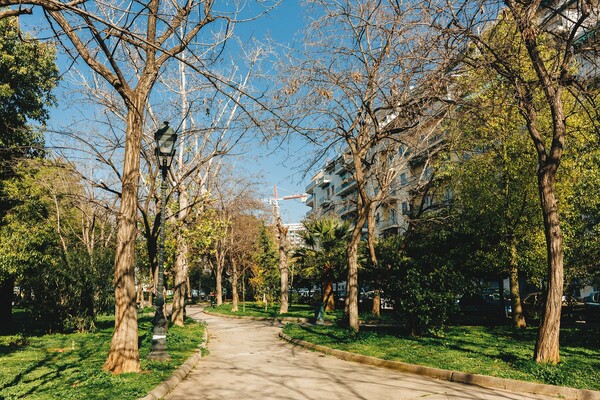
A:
x: 121, y: 55
x: 382, y: 76
x: 373, y: 77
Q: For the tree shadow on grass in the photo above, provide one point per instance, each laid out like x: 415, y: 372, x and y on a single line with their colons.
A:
x: 55, y: 362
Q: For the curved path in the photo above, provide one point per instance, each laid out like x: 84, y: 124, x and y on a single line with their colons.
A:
x: 248, y: 361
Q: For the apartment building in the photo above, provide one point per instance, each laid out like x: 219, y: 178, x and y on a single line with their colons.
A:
x: 332, y: 190
x: 294, y: 234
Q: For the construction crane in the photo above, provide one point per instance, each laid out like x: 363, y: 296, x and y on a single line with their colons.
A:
x: 276, y: 198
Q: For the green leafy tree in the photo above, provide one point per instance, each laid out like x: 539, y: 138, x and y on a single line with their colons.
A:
x: 264, y: 278
x: 323, y: 255
x: 578, y: 186
x: 495, y: 196
x: 64, y: 283
x: 534, y: 47
x: 27, y: 76
x: 423, y: 280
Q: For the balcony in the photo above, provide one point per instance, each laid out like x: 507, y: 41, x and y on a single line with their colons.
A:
x: 347, y: 186
x: 310, y: 201
x: 311, y: 187
x: 326, y: 202
x: 322, y: 180
x: 340, y: 167
x: 346, y: 209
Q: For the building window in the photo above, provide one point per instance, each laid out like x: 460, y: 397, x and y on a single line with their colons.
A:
x: 405, y: 208
x: 377, y: 218
x: 427, y: 201
x: 393, y: 217
x: 403, y: 179
x: 402, y: 151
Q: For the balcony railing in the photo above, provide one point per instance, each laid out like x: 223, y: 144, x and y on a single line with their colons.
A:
x: 322, y: 180
x: 310, y: 201
x: 346, y: 187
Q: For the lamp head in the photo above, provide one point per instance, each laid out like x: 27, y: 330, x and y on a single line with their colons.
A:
x: 165, y: 145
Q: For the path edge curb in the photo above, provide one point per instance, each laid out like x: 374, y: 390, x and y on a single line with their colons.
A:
x: 489, y: 382
x: 180, y: 373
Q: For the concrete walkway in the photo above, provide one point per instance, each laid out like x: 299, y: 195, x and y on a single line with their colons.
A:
x: 248, y: 361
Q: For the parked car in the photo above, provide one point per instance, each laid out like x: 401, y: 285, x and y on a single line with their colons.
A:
x: 533, y: 306
x: 591, y: 306
x: 198, y: 294
x: 484, y: 305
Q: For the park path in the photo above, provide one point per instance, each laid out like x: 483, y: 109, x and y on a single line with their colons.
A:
x: 248, y: 361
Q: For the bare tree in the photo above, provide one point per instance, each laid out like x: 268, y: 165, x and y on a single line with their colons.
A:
x: 231, y: 198
x: 283, y: 258
x: 201, y: 150
x: 534, y: 47
x: 128, y: 46
x: 370, y: 78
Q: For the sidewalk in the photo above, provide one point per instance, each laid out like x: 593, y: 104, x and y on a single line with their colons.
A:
x: 248, y: 361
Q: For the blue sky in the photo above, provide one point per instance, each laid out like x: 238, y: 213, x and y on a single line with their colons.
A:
x: 280, y: 166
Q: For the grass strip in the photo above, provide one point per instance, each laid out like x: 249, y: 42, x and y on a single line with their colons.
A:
x: 494, y: 351
x: 254, y: 309
x: 69, y: 366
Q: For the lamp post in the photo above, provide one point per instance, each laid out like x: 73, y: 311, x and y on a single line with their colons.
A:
x: 165, y: 151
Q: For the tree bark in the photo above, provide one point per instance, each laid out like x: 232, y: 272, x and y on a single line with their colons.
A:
x: 352, y: 278
x: 547, y: 345
x: 181, y: 265
x: 283, y: 263
x: 376, y: 306
x: 234, y: 286
x: 123, y: 355
x: 515, y: 294
x: 219, y: 281
x: 328, y: 300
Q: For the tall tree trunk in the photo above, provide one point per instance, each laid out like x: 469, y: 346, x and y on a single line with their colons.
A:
x: 283, y: 261
x: 140, y: 295
x: 7, y: 288
x: 244, y: 291
x: 327, y: 290
x: 219, y: 280
x: 234, y: 286
x: 352, y: 278
x: 547, y: 345
x: 376, y: 306
x: 124, y: 355
x: 552, y: 82
x: 181, y: 265
x: 515, y: 293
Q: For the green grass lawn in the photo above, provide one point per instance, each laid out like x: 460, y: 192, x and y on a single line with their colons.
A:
x: 498, y: 351
x: 69, y: 366
x: 256, y: 310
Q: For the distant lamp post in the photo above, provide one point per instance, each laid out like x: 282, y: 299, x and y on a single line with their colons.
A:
x: 165, y: 151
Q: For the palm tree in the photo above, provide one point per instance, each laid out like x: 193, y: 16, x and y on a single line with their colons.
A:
x: 324, y: 253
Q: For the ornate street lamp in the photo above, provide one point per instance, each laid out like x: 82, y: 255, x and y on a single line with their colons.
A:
x: 165, y: 151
